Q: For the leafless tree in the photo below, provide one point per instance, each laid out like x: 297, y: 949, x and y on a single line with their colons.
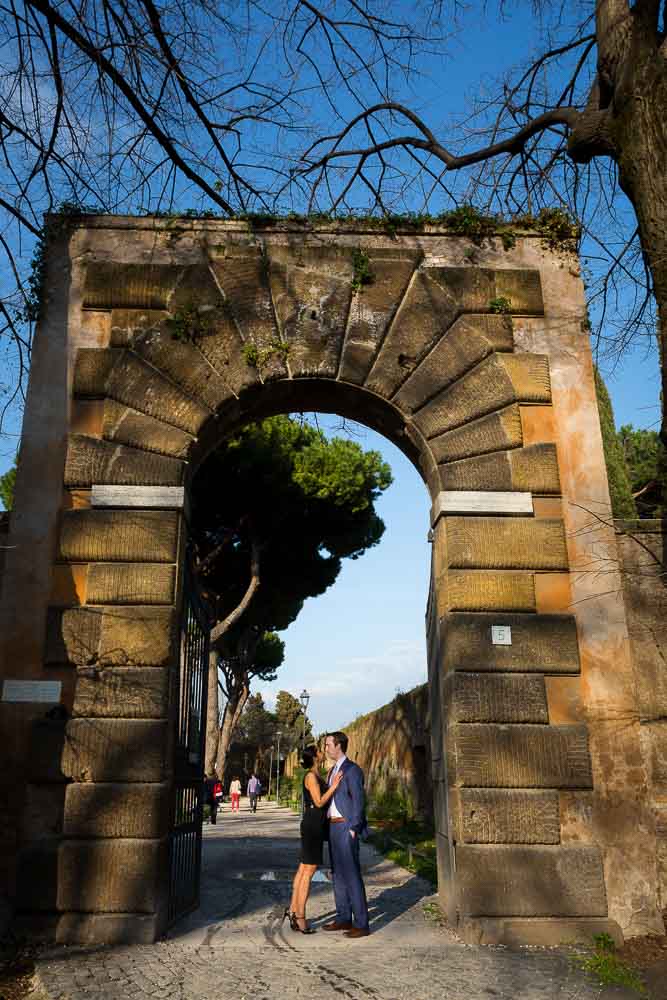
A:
x: 584, y: 118
x: 140, y: 105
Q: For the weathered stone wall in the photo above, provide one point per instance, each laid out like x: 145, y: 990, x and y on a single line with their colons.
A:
x: 393, y: 746
x: 498, y: 413
x: 642, y: 553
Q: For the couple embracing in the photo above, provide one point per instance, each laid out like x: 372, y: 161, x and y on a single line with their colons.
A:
x: 333, y: 809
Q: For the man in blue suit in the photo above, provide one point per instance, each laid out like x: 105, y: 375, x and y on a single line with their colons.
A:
x: 347, y: 823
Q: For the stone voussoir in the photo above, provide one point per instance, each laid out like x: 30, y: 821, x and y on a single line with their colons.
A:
x: 90, y: 460
x: 495, y: 432
x: 497, y: 381
x: 125, y: 425
x: 533, y: 468
x: 462, y: 347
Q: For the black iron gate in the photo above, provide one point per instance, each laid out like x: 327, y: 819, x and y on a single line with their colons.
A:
x: 186, y: 825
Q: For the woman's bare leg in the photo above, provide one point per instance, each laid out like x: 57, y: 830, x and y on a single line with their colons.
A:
x: 303, y: 891
x: 296, y: 882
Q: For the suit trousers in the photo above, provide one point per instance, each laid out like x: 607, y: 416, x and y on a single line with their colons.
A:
x: 349, y: 891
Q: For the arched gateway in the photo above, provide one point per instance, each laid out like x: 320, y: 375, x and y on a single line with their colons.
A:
x: 157, y: 339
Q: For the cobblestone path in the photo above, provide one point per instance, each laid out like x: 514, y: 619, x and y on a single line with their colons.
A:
x: 235, y: 947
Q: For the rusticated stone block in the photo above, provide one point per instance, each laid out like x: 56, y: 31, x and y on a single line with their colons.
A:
x: 654, y: 738
x: 42, y: 815
x: 502, y: 816
x: 131, y: 583
x: 127, y: 323
x: 128, y: 286
x: 312, y: 296
x: 115, y: 750
x: 91, y: 370
x: 523, y: 288
x: 112, y: 876
x: 506, y: 543
x: 495, y: 698
x: 138, y: 385
x: 111, y: 810
x: 90, y: 460
x: 184, y: 364
x: 428, y: 309
x: 497, y: 381
x: 37, y: 877
x: 457, y: 351
x: 242, y: 274
x: 494, y: 432
x: 128, y: 426
x: 522, y: 756
x: 110, y: 636
x: 533, y: 469
x: 47, y: 740
x: 119, y: 535
x: 372, y: 309
x: 543, y: 643
x: 530, y: 881
x: 109, y: 928
x: 122, y: 692
x: 484, y: 591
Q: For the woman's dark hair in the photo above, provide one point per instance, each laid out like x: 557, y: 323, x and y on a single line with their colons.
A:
x: 308, y: 757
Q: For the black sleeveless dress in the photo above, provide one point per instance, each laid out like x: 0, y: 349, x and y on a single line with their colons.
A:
x: 313, y: 826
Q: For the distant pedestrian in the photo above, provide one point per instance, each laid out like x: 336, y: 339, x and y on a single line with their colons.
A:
x: 235, y: 794
x: 211, y: 783
x: 254, y: 790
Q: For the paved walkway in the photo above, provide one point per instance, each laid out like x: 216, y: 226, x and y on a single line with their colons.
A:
x: 235, y: 947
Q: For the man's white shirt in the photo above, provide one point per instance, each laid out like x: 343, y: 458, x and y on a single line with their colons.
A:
x: 332, y: 812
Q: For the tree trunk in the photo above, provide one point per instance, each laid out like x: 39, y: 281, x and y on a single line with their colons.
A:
x: 232, y: 714
x: 640, y: 128
x: 212, y: 714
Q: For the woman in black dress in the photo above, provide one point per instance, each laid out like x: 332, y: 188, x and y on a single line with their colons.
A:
x: 316, y: 797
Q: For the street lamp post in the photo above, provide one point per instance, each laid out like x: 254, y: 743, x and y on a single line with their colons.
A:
x: 278, y: 734
x: 304, y: 698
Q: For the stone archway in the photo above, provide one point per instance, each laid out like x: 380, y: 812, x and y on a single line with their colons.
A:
x: 476, y: 363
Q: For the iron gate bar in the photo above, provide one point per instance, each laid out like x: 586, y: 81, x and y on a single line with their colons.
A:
x: 185, y: 839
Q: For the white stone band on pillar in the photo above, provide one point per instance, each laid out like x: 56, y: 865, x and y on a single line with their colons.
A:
x: 480, y: 502
x: 157, y: 497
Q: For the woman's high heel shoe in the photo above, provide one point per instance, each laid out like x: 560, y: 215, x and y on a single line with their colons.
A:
x: 287, y: 913
x: 294, y: 924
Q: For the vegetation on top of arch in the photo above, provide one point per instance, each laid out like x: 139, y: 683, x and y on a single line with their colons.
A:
x: 557, y: 229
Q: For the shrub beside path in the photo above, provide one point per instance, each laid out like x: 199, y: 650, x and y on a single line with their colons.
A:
x: 236, y: 947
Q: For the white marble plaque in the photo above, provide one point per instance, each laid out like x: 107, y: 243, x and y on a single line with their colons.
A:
x: 501, y: 635
x: 480, y: 502
x: 157, y: 497
x: 35, y: 691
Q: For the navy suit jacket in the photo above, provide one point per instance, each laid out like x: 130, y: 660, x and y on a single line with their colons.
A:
x: 350, y: 798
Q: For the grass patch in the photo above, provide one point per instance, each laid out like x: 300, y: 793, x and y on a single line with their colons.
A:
x: 604, y: 966
x: 410, y: 845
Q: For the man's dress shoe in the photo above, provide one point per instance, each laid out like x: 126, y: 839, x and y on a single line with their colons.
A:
x: 357, y: 932
x: 335, y: 926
